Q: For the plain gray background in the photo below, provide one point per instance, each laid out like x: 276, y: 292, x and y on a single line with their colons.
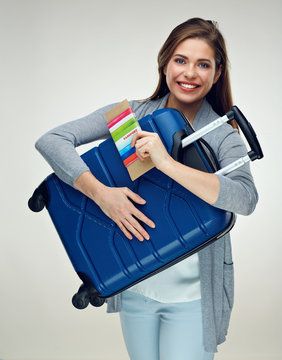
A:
x: 61, y: 60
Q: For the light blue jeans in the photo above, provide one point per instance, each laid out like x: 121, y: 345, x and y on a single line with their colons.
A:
x: 158, y: 331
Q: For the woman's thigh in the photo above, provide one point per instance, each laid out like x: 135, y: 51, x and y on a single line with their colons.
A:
x: 140, y: 327
x: 157, y: 331
x: 181, y: 332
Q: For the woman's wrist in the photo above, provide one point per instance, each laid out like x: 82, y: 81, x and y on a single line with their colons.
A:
x: 89, y: 186
x: 166, y: 165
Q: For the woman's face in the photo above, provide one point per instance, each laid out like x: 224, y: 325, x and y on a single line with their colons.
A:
x: 191, y: 72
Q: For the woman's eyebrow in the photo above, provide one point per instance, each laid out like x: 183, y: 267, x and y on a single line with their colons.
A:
x: 208, y: 60
x: 185, y: 57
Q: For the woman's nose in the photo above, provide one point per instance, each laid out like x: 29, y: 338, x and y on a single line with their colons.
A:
x: 190, y: 72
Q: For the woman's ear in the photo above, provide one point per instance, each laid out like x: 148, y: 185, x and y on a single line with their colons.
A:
x: 217, y: 74
x: 164, y: 70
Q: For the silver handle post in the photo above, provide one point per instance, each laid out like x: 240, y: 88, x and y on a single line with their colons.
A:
x: 204, y: 130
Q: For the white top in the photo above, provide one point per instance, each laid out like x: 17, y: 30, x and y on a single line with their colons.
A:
x: 178, y: 283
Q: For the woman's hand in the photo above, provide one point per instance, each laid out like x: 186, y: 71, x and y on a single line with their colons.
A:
x: 150, y: 144
x: 116, y: 204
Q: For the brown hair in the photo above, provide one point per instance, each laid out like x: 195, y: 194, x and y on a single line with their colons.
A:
x: 220, y: 96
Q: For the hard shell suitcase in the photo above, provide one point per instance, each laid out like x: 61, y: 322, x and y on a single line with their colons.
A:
x: 105, y: 260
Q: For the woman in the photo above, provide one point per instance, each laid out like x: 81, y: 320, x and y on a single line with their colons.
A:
x: 182, y: 312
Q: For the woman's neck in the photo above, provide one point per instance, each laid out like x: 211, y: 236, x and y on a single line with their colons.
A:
x: 188, y: 110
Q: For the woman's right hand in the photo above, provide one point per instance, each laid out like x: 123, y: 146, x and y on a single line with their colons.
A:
x: 117, y: 204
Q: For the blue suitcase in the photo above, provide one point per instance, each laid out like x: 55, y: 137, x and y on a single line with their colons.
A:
x: 105, y: 260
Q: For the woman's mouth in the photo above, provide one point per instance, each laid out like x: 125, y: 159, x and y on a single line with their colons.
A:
x: 188, y: 86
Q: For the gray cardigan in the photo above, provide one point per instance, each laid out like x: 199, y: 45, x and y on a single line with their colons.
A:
x: 237, y: 194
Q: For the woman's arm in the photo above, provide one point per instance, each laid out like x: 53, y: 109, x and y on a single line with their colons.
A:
x: 203, y: 185
x: 58, y: 145
x: 58, y: 148
x: 235, y: 192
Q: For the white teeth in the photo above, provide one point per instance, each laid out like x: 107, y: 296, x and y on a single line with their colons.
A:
x: 188, y: 86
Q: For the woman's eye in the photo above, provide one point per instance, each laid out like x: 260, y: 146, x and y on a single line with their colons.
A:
x: 180, y: 61
x: 204, y: 65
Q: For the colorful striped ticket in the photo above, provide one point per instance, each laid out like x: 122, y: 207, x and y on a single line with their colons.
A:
x: 123, y: 125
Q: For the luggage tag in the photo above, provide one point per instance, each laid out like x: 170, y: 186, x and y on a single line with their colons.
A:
x: 123, y: 125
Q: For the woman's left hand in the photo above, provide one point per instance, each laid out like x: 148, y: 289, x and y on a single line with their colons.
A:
x: 150, y: 144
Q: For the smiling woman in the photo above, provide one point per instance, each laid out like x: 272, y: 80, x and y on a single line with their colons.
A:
x: 183, y: 312
x: 190, y: 74
x: 219, y: 95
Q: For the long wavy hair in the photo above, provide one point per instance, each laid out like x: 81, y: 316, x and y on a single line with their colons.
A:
x: 220, y: 96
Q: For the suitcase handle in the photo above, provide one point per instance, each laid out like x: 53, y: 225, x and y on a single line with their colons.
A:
x: 247, y: 129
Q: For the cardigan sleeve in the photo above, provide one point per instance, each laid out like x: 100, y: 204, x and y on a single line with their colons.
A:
x: 238, y: 193
x: 58, y: 145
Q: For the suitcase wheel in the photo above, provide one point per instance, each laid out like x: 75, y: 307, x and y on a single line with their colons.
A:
x: 39, y: 199
x: 86, y: 294
x: 96, y: 301
x: 80, y: 300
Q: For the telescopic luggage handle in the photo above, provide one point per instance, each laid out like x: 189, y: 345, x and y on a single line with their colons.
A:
x: 247, y: 129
